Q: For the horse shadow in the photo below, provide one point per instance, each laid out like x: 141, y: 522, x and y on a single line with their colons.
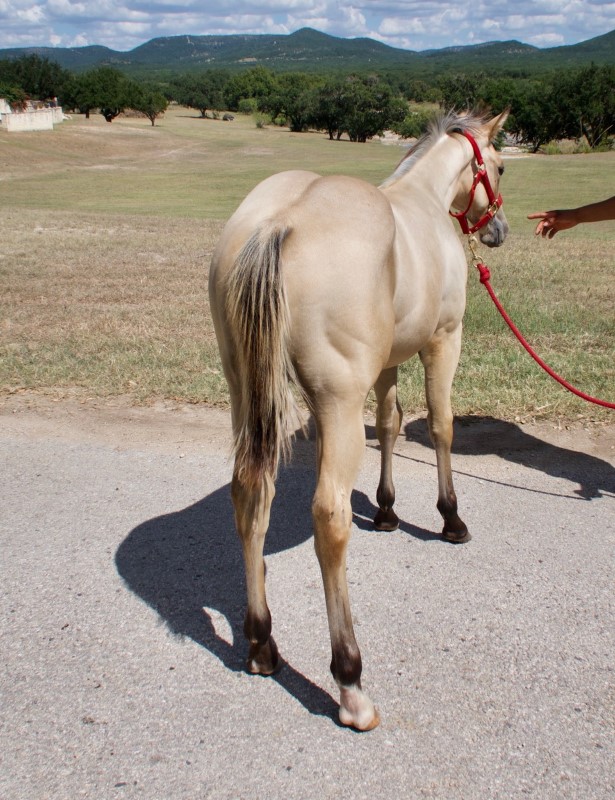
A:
x: 188, y: 567
x: 479, y: 436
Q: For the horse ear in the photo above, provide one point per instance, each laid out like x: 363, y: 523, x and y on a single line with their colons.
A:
x: 497, y: 123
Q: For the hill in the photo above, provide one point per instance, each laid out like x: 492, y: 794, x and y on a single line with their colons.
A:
x: 308, y: 50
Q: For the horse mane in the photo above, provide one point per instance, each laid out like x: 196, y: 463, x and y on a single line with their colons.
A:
x: 443, y: 124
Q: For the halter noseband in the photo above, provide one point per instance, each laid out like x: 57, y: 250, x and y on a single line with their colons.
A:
x: 495, y: 203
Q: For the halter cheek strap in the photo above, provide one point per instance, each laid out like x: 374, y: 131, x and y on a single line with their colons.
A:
x: 495, y: 203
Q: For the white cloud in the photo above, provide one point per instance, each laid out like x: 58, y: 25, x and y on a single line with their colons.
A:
x: 354, y: 20
x: 61, y: 8
x: 490, y: 25
x: 546, y: 40
x: 414, y: 24
x: 32, y: 15
x: 396, y: 26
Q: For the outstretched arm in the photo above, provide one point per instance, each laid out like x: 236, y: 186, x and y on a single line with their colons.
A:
x: 551, y: 222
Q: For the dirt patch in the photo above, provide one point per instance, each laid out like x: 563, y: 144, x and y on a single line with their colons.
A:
x: 187, y: 428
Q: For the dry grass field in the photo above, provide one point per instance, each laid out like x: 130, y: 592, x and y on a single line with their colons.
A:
x: 108, y: 230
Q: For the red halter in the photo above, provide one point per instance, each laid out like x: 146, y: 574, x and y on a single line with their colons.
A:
x: 495, y: 203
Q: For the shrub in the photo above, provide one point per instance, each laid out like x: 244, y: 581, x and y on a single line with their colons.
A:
x: 248, y: 105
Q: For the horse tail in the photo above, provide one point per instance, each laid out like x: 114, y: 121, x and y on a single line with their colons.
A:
x: 257, y: 310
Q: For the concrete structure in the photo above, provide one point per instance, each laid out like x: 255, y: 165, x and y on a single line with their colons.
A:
x: 39, y: 119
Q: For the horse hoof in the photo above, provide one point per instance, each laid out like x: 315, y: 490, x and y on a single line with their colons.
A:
x: 456, y: 536
x: 357, y: 710
x: 263, y: 659
x: 386, y: 520
x: 361, y: 725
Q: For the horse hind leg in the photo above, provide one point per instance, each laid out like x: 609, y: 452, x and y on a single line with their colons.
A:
x: 388, y: 423
x: 440, y: 358
x: 341, y: 446
x: 252, y: 505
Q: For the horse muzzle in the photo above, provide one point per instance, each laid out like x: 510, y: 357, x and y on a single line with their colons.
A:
x: 496, y: 230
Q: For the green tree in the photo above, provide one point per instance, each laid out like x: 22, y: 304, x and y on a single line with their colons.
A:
x: 500, y: 93
x: 253, y: 84
x: 14, y: 95
x: 413, y: 125
x: 461, y: 92
x: 585, y: 101
x: 106, y: 89
x: 150, y: 102
x: 291, y: 100
x: 359, y: 107
x: 203, y: 92
x: 571, y: 104
x: 534, y: 119
x: 420, y: 91
x: 329, y: 106
x: 37, y: 77
x: 373, y: 108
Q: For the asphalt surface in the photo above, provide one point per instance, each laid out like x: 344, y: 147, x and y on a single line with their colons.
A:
x: 122, y: 587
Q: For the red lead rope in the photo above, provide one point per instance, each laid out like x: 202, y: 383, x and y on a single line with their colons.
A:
x: 485, y: 276
x: 494, y: 205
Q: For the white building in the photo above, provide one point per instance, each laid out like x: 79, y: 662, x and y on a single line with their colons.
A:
x: 32, y: 119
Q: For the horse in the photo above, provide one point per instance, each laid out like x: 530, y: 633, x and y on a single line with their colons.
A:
x: 319, y: 288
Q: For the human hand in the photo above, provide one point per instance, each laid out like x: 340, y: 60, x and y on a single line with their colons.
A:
x: 553, y: 221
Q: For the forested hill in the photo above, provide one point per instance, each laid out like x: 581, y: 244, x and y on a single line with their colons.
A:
x: 308, y: 50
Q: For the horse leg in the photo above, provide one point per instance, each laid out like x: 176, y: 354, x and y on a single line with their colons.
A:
x: 341, y: 446
x: 252, y: 507
x: 388, y: 423
x: 440, y: 358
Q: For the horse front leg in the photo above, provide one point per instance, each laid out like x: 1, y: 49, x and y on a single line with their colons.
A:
x: 252, y: 506
x: 341, y: 445
x: 388, y: 423
x: 440, y: 358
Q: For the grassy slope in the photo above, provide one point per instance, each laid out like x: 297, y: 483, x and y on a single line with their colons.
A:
x: 107, y: 232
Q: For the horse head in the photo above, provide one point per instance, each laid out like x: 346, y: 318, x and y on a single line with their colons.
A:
x: 478, y: 185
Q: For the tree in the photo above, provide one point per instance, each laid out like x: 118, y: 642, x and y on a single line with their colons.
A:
x: 360, y: 107
x: 585, y: 101
x: 37, y: 77
x: 421, y: 92
x: 150, y: 102
x: 460, y: 92
x: 570, y: 104
x: 413, y: 125
x: 253, y: 84
x: 291, y: 100
x: 534, y: 119
x: 496, y: 94
x: 104, y: 88
x: 202, y: 92
x: 14, y: 95
x: 329, y: 106
x: 373, y: 108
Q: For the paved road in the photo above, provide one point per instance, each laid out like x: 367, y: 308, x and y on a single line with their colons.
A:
x: 122, y: 590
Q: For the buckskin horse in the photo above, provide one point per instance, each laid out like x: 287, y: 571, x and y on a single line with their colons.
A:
x: 328, y: 284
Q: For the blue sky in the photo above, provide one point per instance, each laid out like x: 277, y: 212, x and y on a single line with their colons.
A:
x: 410, y: 24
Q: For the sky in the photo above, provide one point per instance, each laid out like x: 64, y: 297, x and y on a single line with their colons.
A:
x: 409, y: 24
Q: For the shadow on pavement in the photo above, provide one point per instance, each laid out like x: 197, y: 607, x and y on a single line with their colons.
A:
x: 184, y: 563
x: 479, y: 436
